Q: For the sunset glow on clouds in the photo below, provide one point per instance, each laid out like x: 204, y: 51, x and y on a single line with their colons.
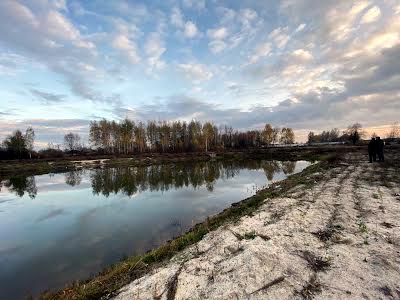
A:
x: 311, y: 65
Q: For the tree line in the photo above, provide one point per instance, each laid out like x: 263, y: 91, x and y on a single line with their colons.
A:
x: 352, y: 133
x: 129, y: 137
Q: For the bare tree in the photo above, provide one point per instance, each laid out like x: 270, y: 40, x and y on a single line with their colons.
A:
x: 151, y: 132
x: 394, y: 131
x: 140, y: 136
x: 95, y: 134
x: 72, y: 141
x: 105, y: 136
x: 29, y: 140
x: 334, y: 135
x: 354, y: 132
x: 311, y: 137
x: 275, y: 135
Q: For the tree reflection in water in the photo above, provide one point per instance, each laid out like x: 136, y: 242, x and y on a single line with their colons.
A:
x: 131, y: 180
x: 288, y: 167
x: 21, y: 185
x: 74, y: 178
x: 270, y: 168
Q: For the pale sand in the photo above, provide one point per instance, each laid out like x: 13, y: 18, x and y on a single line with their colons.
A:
x: 337, y: 240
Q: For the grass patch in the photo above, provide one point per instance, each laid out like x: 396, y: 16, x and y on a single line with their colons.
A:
x: 387, y: 225
x: 312, y: 288
x: 362, y: 226
x: 316, y: 263
x: 250, y: 235
x: 331, y: 232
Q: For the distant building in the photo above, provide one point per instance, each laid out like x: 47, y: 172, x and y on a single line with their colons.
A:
x: 327, y: 143
x: 392, y: 140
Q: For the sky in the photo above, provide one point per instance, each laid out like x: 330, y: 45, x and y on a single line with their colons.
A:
x: 309, y: 65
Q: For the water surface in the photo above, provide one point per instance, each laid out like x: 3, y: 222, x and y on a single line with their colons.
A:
x: 57, y: 228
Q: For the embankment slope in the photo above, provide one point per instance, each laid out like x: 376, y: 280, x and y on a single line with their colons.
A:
x: 337, y: 239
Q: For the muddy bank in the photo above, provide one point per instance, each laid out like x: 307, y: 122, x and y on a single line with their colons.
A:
x: 338, y: 239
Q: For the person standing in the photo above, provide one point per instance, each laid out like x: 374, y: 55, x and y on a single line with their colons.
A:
x: 372, y: 150
x: 379, y: 146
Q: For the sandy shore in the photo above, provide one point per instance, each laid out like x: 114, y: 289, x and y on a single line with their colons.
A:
x: 338, y: 239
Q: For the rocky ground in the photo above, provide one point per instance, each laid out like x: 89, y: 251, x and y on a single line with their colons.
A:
x: 339, y: 239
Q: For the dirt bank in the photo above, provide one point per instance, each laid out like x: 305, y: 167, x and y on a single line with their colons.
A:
x: 336, y: 239
x: 9, y: 168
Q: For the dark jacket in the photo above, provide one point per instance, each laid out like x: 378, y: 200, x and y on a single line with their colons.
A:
x: 379, y: 145
x: 372, y: 146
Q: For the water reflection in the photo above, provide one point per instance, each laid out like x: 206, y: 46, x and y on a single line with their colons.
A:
x: 164, y: 177
x: 74, y: 178
x: 131, y: 180
x: 90, y: 213
x: 288, y: 167
x: 21, y: 185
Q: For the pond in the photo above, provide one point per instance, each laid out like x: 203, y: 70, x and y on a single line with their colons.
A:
x: 58, y: 228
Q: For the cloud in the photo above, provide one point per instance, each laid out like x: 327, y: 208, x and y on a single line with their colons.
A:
x: 195, y: 72
x: 227, y: 15
x: 217, y: 33
x: 40, y: 32
x: 261, y: 51
x: 316, y: 110
x: 300, y: 27
x: 7, y: 113
x: 13, y: 13
x: 48, y: 98
x: 154, y: 49
x: 190, y: 30
x: 51, y: 214
x: 135, y: 11
x: 374, y: 74
x: 217, y: 36
x: 372, y: 15
x: 194, y: 4
x: 127, y: 47
x: 176, y: 18
x: 283, y: 62
x: 280, y: 37
x: 236, y: 27
x: 247, y: 15
x: 11, y: 64
x: 340, y: 20
x: 335, y: 78
x: 217, y: 46
x: 302, y: 55
x: 59, y: 28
